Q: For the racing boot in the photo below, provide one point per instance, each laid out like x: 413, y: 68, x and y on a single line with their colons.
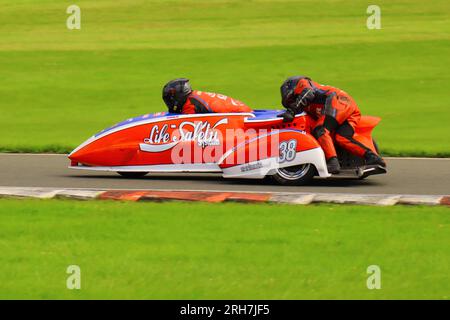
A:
x: 373, y: 159
x: 333, y: 165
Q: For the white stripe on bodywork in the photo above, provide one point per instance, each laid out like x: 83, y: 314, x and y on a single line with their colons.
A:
x: 270, y: 165
x: 157, y: 147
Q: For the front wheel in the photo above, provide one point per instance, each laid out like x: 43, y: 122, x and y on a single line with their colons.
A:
x: 295, y: 176
x: 132, y: 175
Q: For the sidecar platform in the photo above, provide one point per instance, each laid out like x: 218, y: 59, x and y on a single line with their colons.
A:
x: 360, y: 172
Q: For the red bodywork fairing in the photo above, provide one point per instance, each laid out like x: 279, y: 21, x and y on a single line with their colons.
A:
x: 220, y: 139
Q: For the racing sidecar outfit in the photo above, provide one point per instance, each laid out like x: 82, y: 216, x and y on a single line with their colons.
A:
x: 207, y: 102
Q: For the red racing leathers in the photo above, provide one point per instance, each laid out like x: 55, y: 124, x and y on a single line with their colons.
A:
x: 206, y: 102
x: 333, y: 110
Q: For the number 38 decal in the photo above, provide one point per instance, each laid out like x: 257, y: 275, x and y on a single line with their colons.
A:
x: 288, y: 150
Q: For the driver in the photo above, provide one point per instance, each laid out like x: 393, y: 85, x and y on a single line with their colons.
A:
x: 334, y: 111
x: 180, y: 98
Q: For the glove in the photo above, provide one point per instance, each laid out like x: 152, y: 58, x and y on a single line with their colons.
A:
x: 288, y: 115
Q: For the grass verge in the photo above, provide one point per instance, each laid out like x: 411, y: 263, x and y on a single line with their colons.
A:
x: 60, y: 86
x: 221, y: 251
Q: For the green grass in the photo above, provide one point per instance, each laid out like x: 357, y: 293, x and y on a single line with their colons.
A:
x: 224, y: 251
x: 58, y: 87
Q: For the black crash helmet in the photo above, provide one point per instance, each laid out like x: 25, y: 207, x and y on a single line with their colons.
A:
x: 287, y: 91
x: 175, y: 94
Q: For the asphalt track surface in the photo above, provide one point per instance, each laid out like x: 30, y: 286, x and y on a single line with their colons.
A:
x: 405, y: 176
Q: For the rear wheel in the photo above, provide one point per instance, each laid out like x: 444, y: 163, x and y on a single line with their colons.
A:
x: 132, y: 175
x: 296, y: 175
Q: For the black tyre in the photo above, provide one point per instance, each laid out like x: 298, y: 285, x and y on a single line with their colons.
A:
x: 295, y: 176
x: 132, y: 175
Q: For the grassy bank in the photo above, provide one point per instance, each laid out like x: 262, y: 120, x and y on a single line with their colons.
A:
x: 58, y: 87
x: 224, y: 251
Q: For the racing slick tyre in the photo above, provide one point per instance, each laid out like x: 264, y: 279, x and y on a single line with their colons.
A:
x: 132, y: 175
x: 295, y: 176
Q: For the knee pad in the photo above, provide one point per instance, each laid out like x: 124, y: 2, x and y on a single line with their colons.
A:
x: 318, y: 132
